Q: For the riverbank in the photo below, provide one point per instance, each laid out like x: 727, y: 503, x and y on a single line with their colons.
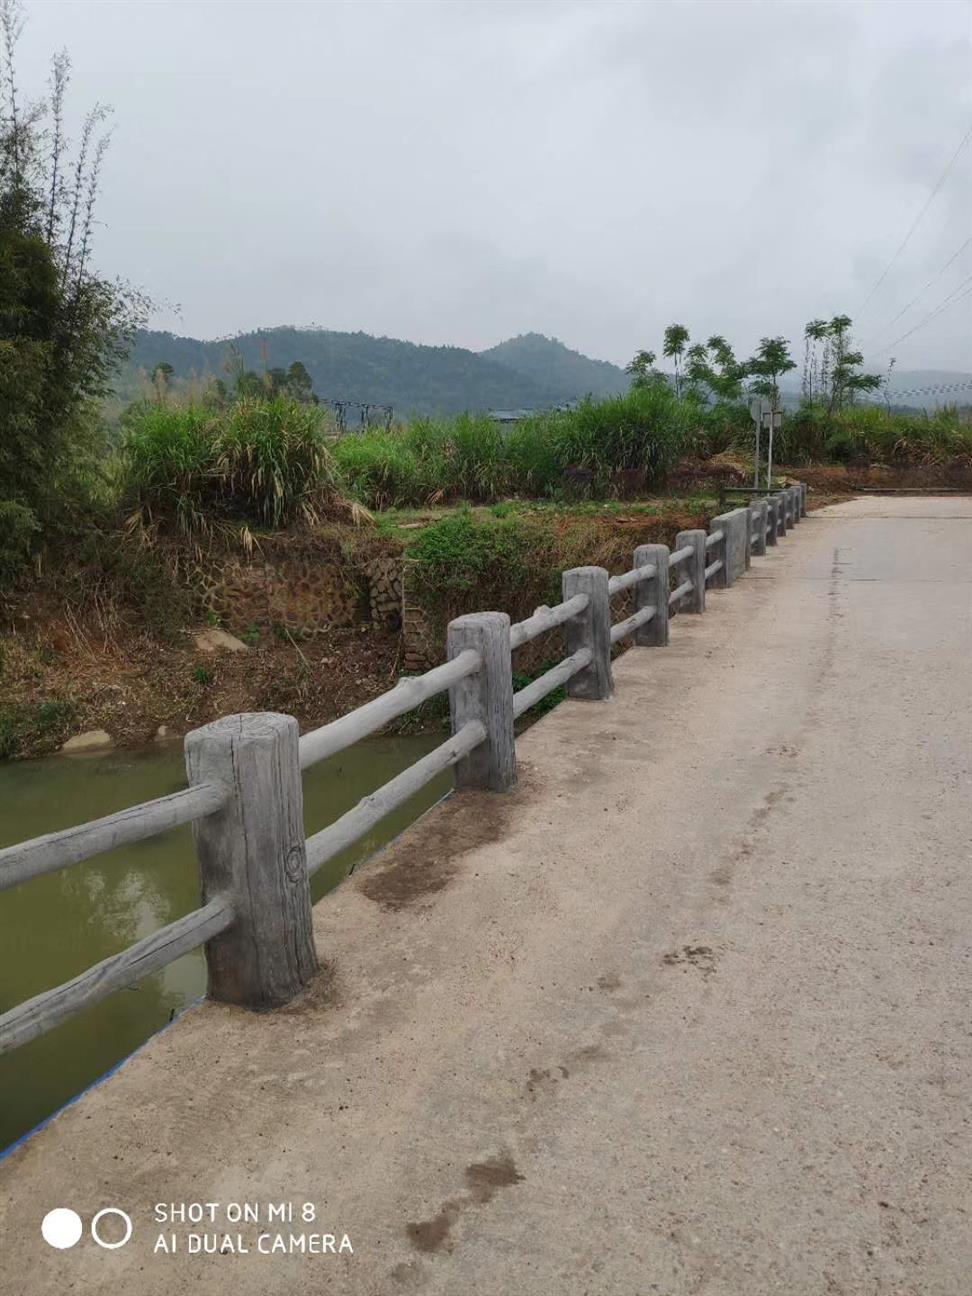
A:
x: 318, y: 620
x: 325, y: 618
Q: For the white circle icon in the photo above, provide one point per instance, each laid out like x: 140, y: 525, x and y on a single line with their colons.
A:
x: 111, y: 1210
x: 61, y: 1228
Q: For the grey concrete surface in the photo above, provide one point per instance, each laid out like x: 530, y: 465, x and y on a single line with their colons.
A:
x: 687, y: 1012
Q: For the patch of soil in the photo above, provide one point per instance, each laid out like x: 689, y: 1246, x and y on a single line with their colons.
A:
x: 131, y: 683
x: 428, y: 857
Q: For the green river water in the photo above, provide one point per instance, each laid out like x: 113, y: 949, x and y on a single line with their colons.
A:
x: 57, y: 926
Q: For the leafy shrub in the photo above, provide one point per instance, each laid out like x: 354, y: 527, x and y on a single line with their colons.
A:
x: 25, y: 726
x: 865, y: 433
x: 461, y: 552
x: 260, y: 461
x: 18, y: 525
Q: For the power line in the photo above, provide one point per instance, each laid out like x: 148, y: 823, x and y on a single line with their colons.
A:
x: 965, y: 288
x: 916, y: 222
x: 933, y: 279
x: 937, y: 387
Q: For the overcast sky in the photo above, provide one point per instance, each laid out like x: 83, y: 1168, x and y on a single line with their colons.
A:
x: 462, y: 172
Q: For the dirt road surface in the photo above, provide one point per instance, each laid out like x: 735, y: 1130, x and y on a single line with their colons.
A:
x: 689, y: 1012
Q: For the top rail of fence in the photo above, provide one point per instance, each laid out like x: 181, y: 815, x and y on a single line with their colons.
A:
x: 546, y: 618
x: 407, y: 694
x: 618, y: 583
x: 57, y: 850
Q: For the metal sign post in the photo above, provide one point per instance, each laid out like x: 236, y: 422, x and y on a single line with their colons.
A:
x: 774, y: 421
x: 756, y: 414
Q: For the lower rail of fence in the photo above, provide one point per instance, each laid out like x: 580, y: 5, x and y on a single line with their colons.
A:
x: 552, y: 679
x: 45, y: 1011
x: 631, y: 624
x: 343, y: 832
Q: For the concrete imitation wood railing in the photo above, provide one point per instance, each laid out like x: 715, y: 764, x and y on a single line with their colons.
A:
x: 245, y: 800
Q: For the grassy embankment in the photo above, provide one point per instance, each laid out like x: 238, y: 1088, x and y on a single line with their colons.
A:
x: 489, y: 517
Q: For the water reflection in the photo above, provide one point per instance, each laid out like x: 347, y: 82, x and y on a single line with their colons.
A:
x: 55, y: 927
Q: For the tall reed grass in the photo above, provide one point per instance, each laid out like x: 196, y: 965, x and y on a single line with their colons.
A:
x: 472, y: 457
x: 265, y: 462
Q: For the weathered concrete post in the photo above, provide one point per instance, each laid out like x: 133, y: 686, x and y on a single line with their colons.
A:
x: 252, y: 850
x: 719, y: 579
x: 794, y: 493
x: 803, y: 499
x: 757, y: 526
x: 772, y: 519
x: 693, y: 569
x: 780, y: 498
x: 592, y: 630
x: 487, y: 697
x: 652, y: 593
x: 734, y: 549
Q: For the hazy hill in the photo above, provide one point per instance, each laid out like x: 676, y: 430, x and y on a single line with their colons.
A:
x: 550, y: 363
x: 525, y: 372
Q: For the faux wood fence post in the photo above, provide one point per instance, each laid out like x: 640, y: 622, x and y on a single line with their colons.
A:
x: 791, y: 494
x: 722, y: 578
x: 758, y: 524
x: 591, y: 629
x: 653, y: 591
x: 734, y: 549
x: 253, y: 852
x: 487, y: 697
x: 803, y: 499
x: 772, y: 519
x: 693, y: 569
x: 781, y: 527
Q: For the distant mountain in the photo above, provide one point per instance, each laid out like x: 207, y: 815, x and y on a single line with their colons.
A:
x: 548, y: 362
x: 529, y: 372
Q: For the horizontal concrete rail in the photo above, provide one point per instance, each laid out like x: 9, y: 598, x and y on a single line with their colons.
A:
x: 637, y: 574
x: 45, y: 1011
x: 343, y: 832
x: 546, y: 618
x: 631, y: 624
x: 245, y: 802
x: 57, y: 850
x: 552, y: 679
x: 368, y: 719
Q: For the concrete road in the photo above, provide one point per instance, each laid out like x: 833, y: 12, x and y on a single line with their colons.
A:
x: 687, y: 1013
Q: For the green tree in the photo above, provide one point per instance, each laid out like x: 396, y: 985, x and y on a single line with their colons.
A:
x: 673, y: 348
x: 814, y: 332
x: 771, y: 361
x: 641, y: 367
x: 62, y: 327
x: 846, y: 380
x: 299, y: 385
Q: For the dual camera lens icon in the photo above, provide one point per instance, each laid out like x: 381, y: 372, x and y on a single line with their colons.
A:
x: 62, y: 1228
